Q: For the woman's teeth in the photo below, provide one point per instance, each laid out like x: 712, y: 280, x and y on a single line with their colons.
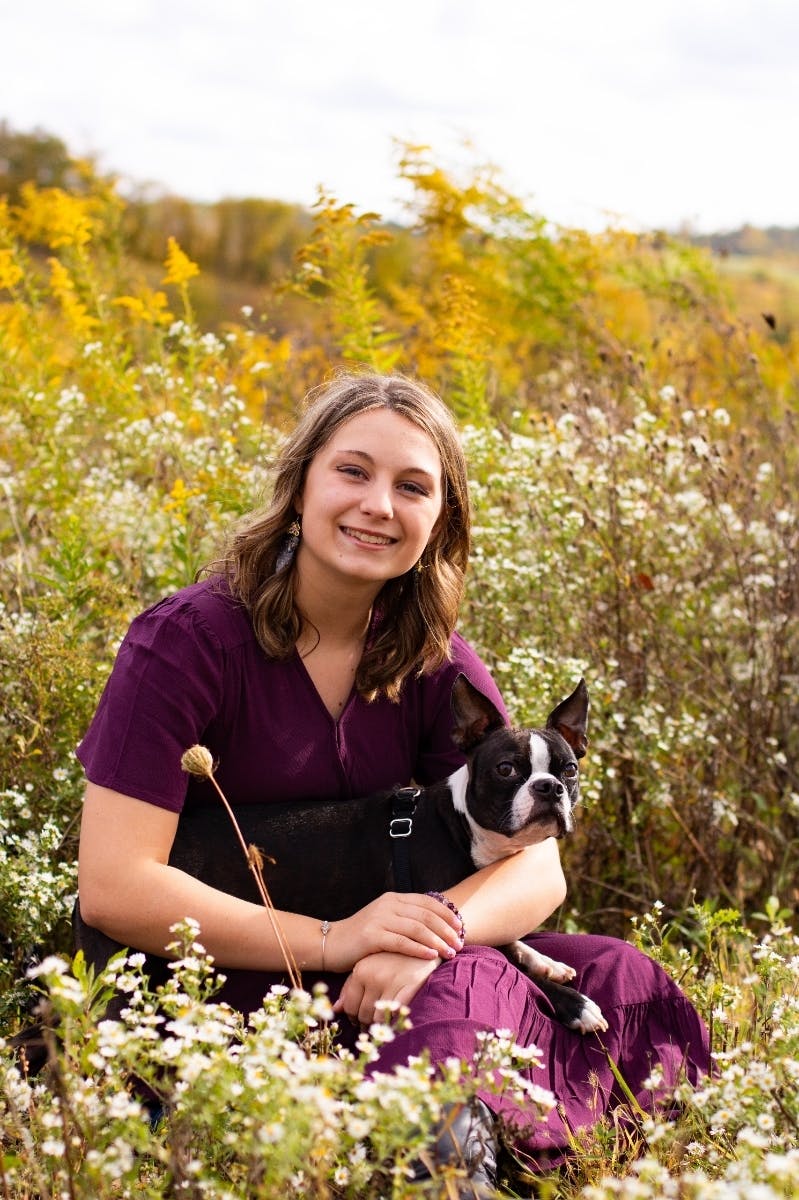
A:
x: 374, y: 539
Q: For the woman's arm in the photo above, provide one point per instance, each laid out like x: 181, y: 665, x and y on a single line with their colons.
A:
x: 511, y: 897
x: 499, y: 903
x: 128, y: 890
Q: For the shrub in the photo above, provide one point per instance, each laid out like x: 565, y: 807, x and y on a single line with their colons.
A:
x: 633, y: 464
x: 221, y: 1108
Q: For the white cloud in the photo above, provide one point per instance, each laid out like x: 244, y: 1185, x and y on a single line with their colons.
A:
x: 657, y: 111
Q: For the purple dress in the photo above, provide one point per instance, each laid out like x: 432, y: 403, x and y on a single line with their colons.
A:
x: 190, y: 671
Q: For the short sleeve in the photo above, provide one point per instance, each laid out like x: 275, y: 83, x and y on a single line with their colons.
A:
x: 438, y: 757
x: 164, y: 691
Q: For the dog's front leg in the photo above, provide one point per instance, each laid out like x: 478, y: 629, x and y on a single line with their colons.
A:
x: 572, y: 1008
x: 536, y: 965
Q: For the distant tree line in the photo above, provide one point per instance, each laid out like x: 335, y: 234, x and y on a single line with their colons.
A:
x: 751, y: 240
x: 486, y: 299
x: 39, y: 157
x: 251, y: 239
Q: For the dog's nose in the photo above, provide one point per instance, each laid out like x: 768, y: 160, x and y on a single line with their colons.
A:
x: 546, y: 788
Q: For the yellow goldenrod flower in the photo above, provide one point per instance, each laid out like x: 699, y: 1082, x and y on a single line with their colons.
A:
x: 179, y: 267
x: 63, y: 289
x: 149, y: 307
x: 179, y: 491
x: 133, y: 304
x: 10, y: 272
x: 53, y: 217
x: 179, y: 497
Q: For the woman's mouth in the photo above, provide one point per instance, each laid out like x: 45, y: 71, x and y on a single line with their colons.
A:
x: 369, y: 539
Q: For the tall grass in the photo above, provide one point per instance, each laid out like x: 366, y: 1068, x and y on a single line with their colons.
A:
x: 633, y: 467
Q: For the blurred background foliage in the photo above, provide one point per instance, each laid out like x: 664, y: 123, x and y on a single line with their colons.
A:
x: 628, y: 404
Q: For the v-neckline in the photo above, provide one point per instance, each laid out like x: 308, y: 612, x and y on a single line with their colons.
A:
x: 318, y: 695
x: 374, y: 617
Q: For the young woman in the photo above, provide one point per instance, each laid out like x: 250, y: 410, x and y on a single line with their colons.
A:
x: 316, y: 659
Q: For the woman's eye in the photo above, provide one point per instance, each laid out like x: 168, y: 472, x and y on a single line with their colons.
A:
x: 505, y: 770
x: 415, y: 489
x: 356, y: 472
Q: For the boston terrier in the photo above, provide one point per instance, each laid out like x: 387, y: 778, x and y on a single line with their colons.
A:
x: 517, y: 787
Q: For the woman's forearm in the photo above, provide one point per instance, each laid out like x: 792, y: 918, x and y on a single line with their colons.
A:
x: 130, y: 892
x: 140, y: 910
x: 243, y: 935
x: 512, y: 897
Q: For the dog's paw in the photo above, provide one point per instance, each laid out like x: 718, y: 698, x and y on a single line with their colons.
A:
x: 589, y: 1019
x: 550, y: 968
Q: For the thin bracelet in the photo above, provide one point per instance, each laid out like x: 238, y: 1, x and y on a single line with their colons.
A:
x: 325, y: 928
x: 452, y: 908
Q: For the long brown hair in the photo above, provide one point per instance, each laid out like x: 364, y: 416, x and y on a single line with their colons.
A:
x: 416, y: 612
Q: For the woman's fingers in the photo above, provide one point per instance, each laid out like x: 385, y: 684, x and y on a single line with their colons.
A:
x: 406, y: 923
x: 417, y: 941
x: 379, y: 978
x: 423, y: 918
x: 409, y: 923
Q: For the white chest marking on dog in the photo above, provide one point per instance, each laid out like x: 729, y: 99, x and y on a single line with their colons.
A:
x: 489, y: 846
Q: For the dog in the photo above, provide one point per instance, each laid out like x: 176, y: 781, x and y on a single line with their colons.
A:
x: 517, y: 787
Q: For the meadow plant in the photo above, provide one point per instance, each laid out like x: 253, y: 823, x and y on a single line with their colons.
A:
x: 737, y: 1134
x: 654, y: 551
x: 220, y: 1107
x: 633, y: 458
x: 181, y: 1094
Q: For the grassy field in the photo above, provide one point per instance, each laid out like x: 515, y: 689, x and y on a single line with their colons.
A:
x: 765, y: 286
x: 631, y: 437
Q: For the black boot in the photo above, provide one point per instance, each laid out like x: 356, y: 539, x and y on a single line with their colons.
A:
x: 466, y: 1138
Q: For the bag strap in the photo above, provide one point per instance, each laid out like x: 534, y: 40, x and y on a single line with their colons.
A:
x: 400, y: 828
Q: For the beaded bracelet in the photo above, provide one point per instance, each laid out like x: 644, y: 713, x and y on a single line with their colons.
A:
x: 452, y: 908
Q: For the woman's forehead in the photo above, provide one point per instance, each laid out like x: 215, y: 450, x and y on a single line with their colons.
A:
x: 385, y: 434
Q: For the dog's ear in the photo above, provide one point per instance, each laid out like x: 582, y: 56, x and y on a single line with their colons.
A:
x: 473, y: 715
x: 570, y: 719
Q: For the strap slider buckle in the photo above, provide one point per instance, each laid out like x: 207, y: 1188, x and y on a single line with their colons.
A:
x: 400, y: 827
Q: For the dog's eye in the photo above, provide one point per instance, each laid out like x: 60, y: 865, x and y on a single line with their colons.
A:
x: 505, y: 770
x: 570, y: 770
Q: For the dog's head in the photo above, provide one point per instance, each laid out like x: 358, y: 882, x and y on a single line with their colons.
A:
x: 519, y: 786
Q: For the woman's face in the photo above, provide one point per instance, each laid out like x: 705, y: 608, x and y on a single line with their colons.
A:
x: 371, y: 500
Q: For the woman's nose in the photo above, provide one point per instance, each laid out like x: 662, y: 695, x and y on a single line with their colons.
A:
x: 376, y: 500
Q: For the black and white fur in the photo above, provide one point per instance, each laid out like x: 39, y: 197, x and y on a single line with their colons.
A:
x: 517, y: 787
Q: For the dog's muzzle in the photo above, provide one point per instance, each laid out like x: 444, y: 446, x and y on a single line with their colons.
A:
x: 551, y: 802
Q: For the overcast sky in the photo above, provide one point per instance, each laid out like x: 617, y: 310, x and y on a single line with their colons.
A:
x: 640, y: 112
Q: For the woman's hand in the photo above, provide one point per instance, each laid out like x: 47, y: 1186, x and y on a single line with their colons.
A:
x: 378, y: 977
x: 401, y: 923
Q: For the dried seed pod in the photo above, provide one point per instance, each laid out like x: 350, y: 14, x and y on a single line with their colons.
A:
x: 198, y: 760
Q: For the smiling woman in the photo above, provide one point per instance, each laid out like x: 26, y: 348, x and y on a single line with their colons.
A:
x: 317, y: 661
x: 370, y: 502
x: 311, y: 664
x: 369, y: 506
x: 375, y: 457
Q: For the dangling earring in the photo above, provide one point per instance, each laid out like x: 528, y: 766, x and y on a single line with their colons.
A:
x: 291, y: 541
